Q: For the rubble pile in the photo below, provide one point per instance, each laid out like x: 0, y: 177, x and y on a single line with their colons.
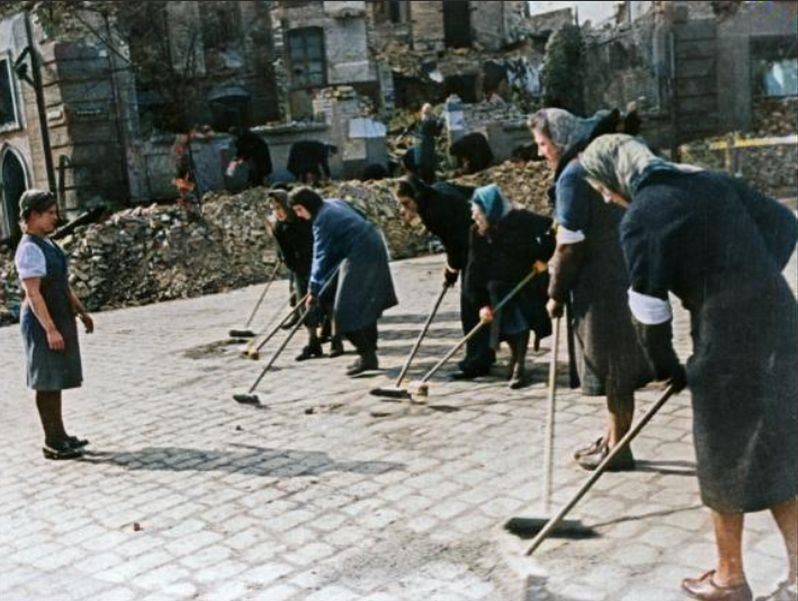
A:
x: 156, y: 253
x: 768, y: 168
x: 144, y: 255
x: 525, y: 184
x: 774, y: 117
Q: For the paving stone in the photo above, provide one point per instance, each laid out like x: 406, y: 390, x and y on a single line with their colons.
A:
x: 238, y: 503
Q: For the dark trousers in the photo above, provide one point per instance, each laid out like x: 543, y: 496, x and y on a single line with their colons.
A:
x: 364, y: 340
x: 479, y: 354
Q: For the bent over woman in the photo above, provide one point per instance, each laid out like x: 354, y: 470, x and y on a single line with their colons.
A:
x: 720, y: 247
x: 342, y: 236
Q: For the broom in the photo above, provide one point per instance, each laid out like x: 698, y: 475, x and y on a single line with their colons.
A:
x: 395, y: 391
x: 531, y: 525
x: 246, y: 332
x: 250, y: 397
x: 423, y: 388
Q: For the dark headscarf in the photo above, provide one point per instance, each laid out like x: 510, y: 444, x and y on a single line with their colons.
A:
x: 308, y: 199
x: 35, y: 200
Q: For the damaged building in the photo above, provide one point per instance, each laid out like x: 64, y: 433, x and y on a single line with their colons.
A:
x: 695, y: 68
x: 126, y: 77
x: 388, y: 49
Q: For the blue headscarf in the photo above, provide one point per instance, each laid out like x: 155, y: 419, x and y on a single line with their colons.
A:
x: 491, y: 202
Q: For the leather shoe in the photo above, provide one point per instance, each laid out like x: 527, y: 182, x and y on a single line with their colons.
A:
x: 705, y: 589
x: 363, y: 363
x: 623, y: 461
x: 469, y: 373
x: 60, y: 450
x: 589, y: 449
x: 309, y: 352
x: 76, y: 443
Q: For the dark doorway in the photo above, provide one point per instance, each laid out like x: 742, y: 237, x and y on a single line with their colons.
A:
x: 456, y: 24
x: 13, y: 185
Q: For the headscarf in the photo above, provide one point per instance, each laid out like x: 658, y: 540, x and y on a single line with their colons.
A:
x: 35, y: 200
x: 308, y: 199
x: 491, y: 202
x: 567, y: 130
x: 621, y: 162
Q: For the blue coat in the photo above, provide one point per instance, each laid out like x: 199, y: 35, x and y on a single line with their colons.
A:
x: 341, y: 235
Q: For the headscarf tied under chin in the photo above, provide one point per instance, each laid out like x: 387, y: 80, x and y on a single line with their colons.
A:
x: 567, y: 130
x: 491, y: 202
x: 621, y: 162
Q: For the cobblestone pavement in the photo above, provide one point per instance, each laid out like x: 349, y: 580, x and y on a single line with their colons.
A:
x: 327, y: 493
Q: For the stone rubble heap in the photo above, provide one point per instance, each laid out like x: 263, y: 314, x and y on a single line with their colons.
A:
x: 150, y: 254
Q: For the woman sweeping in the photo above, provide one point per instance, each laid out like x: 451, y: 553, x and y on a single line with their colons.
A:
x: 294, y: 238
x: 505, y: 245
x: 49, y: 331
x: 587, y: 271
x: 342, y: 236
x: 720, y: 247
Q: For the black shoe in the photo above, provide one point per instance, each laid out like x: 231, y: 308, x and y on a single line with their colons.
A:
x: 337, y: 348
x: 469, y: 373
x: 518, y: 378
x: 310, y: 351
x: 76, y: 443
x: 364, y: 363
x: 61, y: 450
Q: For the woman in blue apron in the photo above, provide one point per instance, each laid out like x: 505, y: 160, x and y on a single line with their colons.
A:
x: 47, y: 320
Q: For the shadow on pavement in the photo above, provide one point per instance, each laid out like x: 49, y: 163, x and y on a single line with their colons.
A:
x: 669, y: 468
x: 419, y: 318
x: 643, y: 516
x: 255, y: 461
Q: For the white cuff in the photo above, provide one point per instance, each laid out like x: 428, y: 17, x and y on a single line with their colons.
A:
x: 566, y: 236
x: 649, y: 310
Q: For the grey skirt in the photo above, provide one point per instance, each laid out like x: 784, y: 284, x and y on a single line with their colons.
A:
x: 49, y: 370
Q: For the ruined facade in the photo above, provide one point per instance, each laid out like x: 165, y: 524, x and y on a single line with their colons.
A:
x: 695, y: 68
x: 89, y: 103
x: 360, y: 43
x: 123, y: 79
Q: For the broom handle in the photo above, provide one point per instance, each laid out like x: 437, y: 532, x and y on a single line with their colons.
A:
x: 299, y: 323
x: 276, y: 329
x: 548, y: 455
x: 421, y: 335
x: 535, y: 271
x: 265, y: 290
x: 602, y: 467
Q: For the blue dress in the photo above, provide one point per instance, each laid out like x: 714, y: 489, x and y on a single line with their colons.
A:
x: 49, y: 370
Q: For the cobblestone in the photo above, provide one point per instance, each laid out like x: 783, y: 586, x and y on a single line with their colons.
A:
x: 313, y: 497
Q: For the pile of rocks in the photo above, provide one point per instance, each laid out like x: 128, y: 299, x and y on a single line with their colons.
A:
x: 149, y: 254
x: 155, y: 253
x: 525, y: 184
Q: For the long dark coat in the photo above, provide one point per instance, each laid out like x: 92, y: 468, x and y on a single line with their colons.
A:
x: 500, y: 260
x: 343, y: 236
x: 720, y: 247
x: 295, y: 241
x: 446, y: 212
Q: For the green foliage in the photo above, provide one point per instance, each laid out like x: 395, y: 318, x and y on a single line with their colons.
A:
x: 563, y: 72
